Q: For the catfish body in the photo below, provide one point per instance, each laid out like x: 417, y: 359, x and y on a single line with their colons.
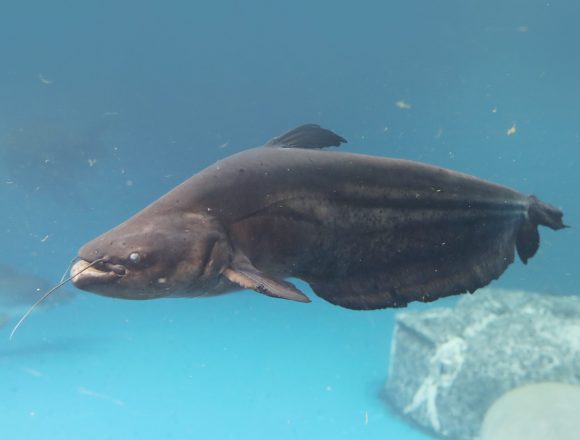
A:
x: 365, y: 232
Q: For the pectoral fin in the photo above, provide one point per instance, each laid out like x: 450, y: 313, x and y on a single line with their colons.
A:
x: 247, y: 276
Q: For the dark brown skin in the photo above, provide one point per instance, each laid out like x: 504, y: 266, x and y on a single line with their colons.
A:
x: 365, y: 232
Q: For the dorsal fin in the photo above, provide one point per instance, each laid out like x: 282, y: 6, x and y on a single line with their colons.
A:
x: 306, y: 136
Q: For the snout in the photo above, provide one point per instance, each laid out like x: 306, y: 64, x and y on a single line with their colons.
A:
x: 113, y: 281
x: 92, y: 277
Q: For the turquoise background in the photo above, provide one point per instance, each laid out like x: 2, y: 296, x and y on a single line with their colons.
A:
x: 105, y: 106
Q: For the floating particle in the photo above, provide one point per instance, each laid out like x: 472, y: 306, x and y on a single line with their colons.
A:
x: 95, y: 395
x: 43, y: 80
x: 32, y: 372
x: 402, y: 104
x: 512, y: 130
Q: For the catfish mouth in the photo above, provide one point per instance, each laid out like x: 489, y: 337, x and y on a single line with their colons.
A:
x: 87, y: 276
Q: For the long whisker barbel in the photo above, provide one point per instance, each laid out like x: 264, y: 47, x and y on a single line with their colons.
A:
x: 67, y: 271
x: 47, y: 294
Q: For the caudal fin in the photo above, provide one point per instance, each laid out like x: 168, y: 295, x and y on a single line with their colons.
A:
x: 539, y: 213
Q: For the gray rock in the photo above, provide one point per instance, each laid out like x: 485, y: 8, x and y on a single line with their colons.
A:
x: 448, y: 365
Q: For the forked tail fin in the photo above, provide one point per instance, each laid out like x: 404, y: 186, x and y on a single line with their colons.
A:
x: 539, y: 213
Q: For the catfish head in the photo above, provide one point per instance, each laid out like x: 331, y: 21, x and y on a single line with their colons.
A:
x: 167, y: 254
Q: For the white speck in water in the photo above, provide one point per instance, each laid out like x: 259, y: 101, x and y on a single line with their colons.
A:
x: 403, y: 105
x: 162, y: 280
x: 32, y: 372
x: 44, y: 80
x: 90, y: 393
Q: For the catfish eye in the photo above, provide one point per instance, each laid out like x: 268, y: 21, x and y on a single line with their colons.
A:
x: 135, y: 257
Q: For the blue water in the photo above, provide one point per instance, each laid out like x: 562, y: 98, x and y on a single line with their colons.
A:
x: 110, y: 104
